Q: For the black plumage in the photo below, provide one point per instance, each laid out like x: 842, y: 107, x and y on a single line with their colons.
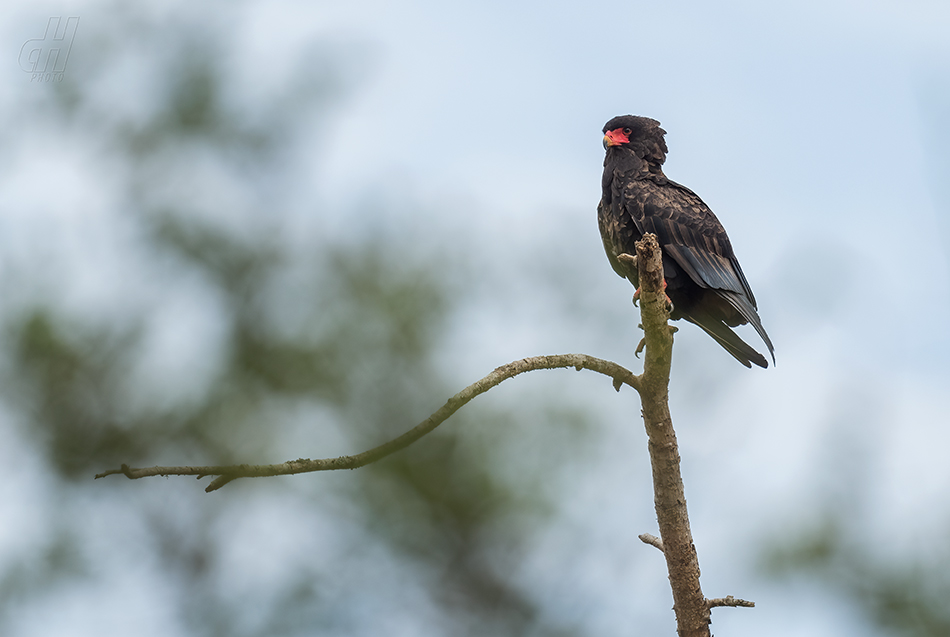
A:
x: 704, y: 280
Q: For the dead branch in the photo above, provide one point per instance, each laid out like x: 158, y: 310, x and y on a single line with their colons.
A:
x: 691, y: 607
x: 620, y: 376
x: 652, y: 540
x: 729, y: 600
x: 689, y: 603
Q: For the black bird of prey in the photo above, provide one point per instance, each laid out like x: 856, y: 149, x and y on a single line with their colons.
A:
x: 703, y: 279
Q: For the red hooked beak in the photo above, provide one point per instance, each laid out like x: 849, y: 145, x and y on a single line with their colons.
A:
x: 615, y: 138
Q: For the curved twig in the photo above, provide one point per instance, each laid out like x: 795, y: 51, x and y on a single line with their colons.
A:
x: 619, y: 374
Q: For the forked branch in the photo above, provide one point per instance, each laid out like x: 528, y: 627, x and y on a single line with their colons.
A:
x: 675, y: 541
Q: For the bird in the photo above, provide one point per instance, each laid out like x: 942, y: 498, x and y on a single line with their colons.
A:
x: 704, y: 282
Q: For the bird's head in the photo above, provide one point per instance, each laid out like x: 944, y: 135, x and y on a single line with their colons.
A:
x: 642, y: 135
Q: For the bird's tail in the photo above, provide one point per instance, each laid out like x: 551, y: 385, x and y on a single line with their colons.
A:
x: 748, y: 311
x: 731, y: 342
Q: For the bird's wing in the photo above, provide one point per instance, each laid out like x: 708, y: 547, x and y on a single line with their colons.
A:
x: 618, y: 230
x: 689, y: 233
x: 692, y: 236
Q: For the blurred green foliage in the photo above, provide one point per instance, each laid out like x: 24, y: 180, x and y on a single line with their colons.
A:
x: 900, y: 596
x: 344, y: 336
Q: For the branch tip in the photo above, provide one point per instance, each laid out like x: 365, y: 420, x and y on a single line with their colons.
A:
x: 628, y: 259
x: 729, y: 601
x: 652, y: 540
x: 219, y: 482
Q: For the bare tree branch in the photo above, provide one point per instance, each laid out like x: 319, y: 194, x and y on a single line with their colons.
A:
x: 620, y: 376
x: 729, y: 600
x: 689, y: 604
x: 692, y: 609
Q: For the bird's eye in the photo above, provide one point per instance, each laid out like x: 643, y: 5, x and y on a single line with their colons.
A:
x: 627, y: 131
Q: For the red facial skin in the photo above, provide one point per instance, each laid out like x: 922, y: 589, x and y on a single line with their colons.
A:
x: 615, y: 137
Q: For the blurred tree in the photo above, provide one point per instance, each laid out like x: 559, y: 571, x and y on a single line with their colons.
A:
x: 902, y: 597
x: 317, y: 345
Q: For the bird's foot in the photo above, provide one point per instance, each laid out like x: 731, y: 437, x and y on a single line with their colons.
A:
x: 669, y: 301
